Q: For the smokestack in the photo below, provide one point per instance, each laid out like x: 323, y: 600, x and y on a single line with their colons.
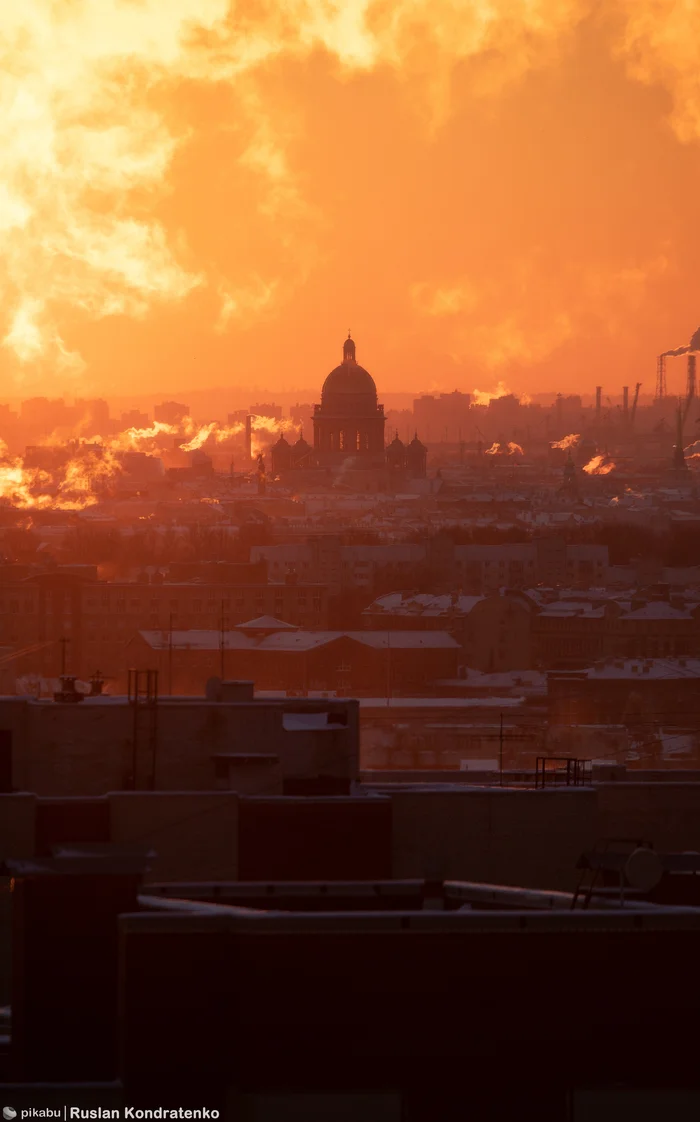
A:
x: 690, y: 388
x: 625, y: 400
x: 598, y: 399
x: 249, y: 437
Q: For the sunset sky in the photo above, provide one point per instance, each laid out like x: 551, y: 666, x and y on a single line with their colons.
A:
x: 204, y: 193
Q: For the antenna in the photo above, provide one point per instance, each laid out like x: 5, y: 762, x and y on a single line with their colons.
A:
x: 661, y: 378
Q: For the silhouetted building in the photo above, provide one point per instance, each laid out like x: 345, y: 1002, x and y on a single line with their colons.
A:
x: 442, y: 417
x: 302, y: 453
x: 278, y: 656
x: 396, y: 454
x: 301, y: 413
x: 134, y: 419
x: 349, y: 422
x: 93, y: 414
x: 97, y: 618
x: 281, y: 454
x: 416, y: 459
x: 45, y: 413
x: 266, y: 409
x: 171, y: 412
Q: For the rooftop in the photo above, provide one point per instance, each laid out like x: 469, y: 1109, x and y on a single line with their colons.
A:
x: 294, y: 640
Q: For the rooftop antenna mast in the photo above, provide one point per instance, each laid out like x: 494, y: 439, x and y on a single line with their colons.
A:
x: 661, y: 378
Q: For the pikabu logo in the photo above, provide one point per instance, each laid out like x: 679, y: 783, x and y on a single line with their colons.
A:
x: 31, y: 1112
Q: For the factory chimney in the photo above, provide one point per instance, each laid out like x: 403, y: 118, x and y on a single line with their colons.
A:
x: 249, y: 438
x: 598, y: 399
x: 690, y: 387
x: 625, y: 401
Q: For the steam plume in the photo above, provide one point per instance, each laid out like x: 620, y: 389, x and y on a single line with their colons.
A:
x: 693, y: 346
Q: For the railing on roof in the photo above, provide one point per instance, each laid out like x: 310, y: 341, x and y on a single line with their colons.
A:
x: 562, y: 771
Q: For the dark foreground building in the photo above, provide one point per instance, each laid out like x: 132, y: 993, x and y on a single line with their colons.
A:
x: 356, y: 957
x: 362, y: 1001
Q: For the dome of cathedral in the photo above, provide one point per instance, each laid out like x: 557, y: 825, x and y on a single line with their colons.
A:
x: 349, y: 387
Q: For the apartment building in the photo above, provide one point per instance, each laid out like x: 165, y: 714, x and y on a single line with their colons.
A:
x: 54, y: 621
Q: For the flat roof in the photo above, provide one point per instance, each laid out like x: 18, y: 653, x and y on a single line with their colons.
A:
x: 440, y: 702
x: 628, y: 920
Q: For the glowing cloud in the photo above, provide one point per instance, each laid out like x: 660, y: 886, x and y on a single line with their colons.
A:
x: 87, y: 147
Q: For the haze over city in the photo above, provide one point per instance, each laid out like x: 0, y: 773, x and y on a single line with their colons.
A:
x: 193, y: 195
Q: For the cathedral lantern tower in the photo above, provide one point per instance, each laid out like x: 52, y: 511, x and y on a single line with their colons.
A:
x: 349, y: 422
x: 281, y: 456
x: 396, y: 454
x: 417, y: 459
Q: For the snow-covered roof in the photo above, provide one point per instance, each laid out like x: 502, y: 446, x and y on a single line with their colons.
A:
x: 658, y: 609
x: 266, y: 623
x: 285, y: 640
x: 644, y: 669
x: 423, y: 604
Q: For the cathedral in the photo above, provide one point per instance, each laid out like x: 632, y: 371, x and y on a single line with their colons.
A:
x: 349, y: 429
x: 349, y: 422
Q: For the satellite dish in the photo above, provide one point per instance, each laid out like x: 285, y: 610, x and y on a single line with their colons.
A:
x: 643, y: 869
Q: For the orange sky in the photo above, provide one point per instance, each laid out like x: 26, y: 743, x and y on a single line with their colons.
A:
x: 194, y: 193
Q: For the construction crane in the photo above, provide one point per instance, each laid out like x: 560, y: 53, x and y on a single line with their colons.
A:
x: 633, y: 411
